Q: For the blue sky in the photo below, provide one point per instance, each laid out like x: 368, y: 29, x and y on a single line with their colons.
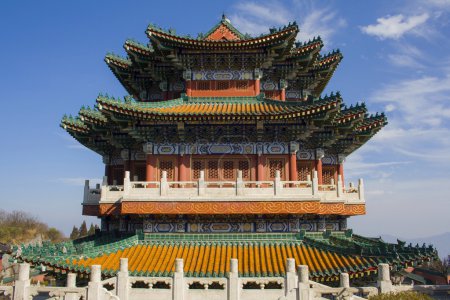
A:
x: 396, y: 59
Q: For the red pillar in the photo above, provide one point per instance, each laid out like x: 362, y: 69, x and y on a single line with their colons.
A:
x: 318, y: 166
x: 184, y: 167
x: 188, y: 88
x: 293, y: 167
x: 150, y: 168
x: 257, y: 87
x: 283, y: 95
x: 260, y: 169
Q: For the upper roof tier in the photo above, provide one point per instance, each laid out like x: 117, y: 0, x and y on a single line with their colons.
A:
x: 275, y: 56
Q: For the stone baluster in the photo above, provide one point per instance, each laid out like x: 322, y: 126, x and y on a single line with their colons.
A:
x: 277, y: 186
x: 315, y: 184
x: 126, y: 184
x: 361, y: 189
x: 308, y: 178
x: 384, y: 283
x: 22, y: 284
x: 344, y: 280
x: 303, y: 283
x: 123, y: 281
x: 178, y: 286
x: 95, y: 287
x: 71, y: 283
x: 86, y: 191
x: 163, y: 184
x: 233, y: 281
x: 239, y: 184
x: 290, y: 281
x: 339, y: 186
x: 201, y: 184
x: 104, y: 188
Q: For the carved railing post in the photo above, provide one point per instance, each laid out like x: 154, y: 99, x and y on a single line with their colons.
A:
x: 290, y: 281
x: 277, y: 186
x: 361, y: 189
x: 178, y: 280
x: 163, y: 185
x: 339, y: 186
x: 201, y: 184
x: 71, y: 283
x: 315, y: 184
x: 126, y: 184
x: 122, y: 285
x: 303, y: 283
x: 86, y: 191
x: 95, y: 286
x: 233, y: 281
x: 104, y: 188
x: 22, y: 284
x: 384, y: 283
x: 239, y: 184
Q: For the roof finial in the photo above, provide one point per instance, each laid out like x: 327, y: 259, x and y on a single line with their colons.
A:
x: 224, y: 18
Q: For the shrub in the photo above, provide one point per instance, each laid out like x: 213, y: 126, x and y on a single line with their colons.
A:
x: 401, y: 296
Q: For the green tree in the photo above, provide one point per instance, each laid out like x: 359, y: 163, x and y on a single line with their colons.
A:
x: 75, y: 233
x: 91, y: 230
x: 54, y: 235
x: 83, y: 229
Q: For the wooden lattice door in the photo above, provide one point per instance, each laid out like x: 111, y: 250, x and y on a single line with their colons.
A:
x: 198, y: 165
x: 228, y: 170
x: 276, y: 164
x: 244, y: 166
x: 304, y: 168
x: 167, y: 165
x: 328, y: 173
x: 140, y: 171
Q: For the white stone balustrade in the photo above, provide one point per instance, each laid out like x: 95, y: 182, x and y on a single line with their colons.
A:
x: 238, y: 190
x: 296, y: 285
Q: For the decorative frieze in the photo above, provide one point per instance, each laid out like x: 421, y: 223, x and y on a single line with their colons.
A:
x: 223, y: 75
x: 220, y: 148
x: 254, y: 225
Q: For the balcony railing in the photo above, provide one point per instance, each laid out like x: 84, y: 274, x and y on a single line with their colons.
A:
x: 238, y: 190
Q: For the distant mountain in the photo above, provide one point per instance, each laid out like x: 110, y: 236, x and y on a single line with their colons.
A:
x: 441, y: 242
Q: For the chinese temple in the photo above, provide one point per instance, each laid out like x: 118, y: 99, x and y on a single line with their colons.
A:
x: 225, y: 148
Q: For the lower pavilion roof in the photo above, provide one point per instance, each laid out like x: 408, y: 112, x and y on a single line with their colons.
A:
x: 208, y: 255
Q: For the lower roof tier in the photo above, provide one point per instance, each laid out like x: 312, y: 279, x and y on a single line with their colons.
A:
x: 326, y: 254
x: 317, y: 123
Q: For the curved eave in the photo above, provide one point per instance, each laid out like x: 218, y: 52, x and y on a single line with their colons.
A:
x: 170, y: 40
x: 75, y: 126
x: 265, y: 109
x: 136, y: 48
x: 371, y: 125
x: 313, y: 47
x: 92, y: 117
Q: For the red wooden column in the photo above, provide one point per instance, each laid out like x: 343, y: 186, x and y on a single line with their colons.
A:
x: 188, y: 88
x: 340, y: 168
x: 184, y: 167
x: 150, y: 168
x: 257, y: 87
x: 283, y: 95
x: 260, y: 169
x: 293, y: 148
x: 318, y: 164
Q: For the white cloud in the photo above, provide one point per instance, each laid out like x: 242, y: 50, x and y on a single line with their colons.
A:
x: 394, y: 27
x: 255, y: 18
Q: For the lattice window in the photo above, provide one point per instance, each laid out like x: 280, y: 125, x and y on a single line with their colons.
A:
x: 166, y: 165
x: 197, y: 166
x: 328, y: 174
x: 303, y: 170
x: 203, y: 85
x: 242, y: 85
x: 228, y: 169
x: 213, y: 169
x: 223, y: 85
x: 244, y: 167
x: 140, y: 172
x: 276, y: 165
